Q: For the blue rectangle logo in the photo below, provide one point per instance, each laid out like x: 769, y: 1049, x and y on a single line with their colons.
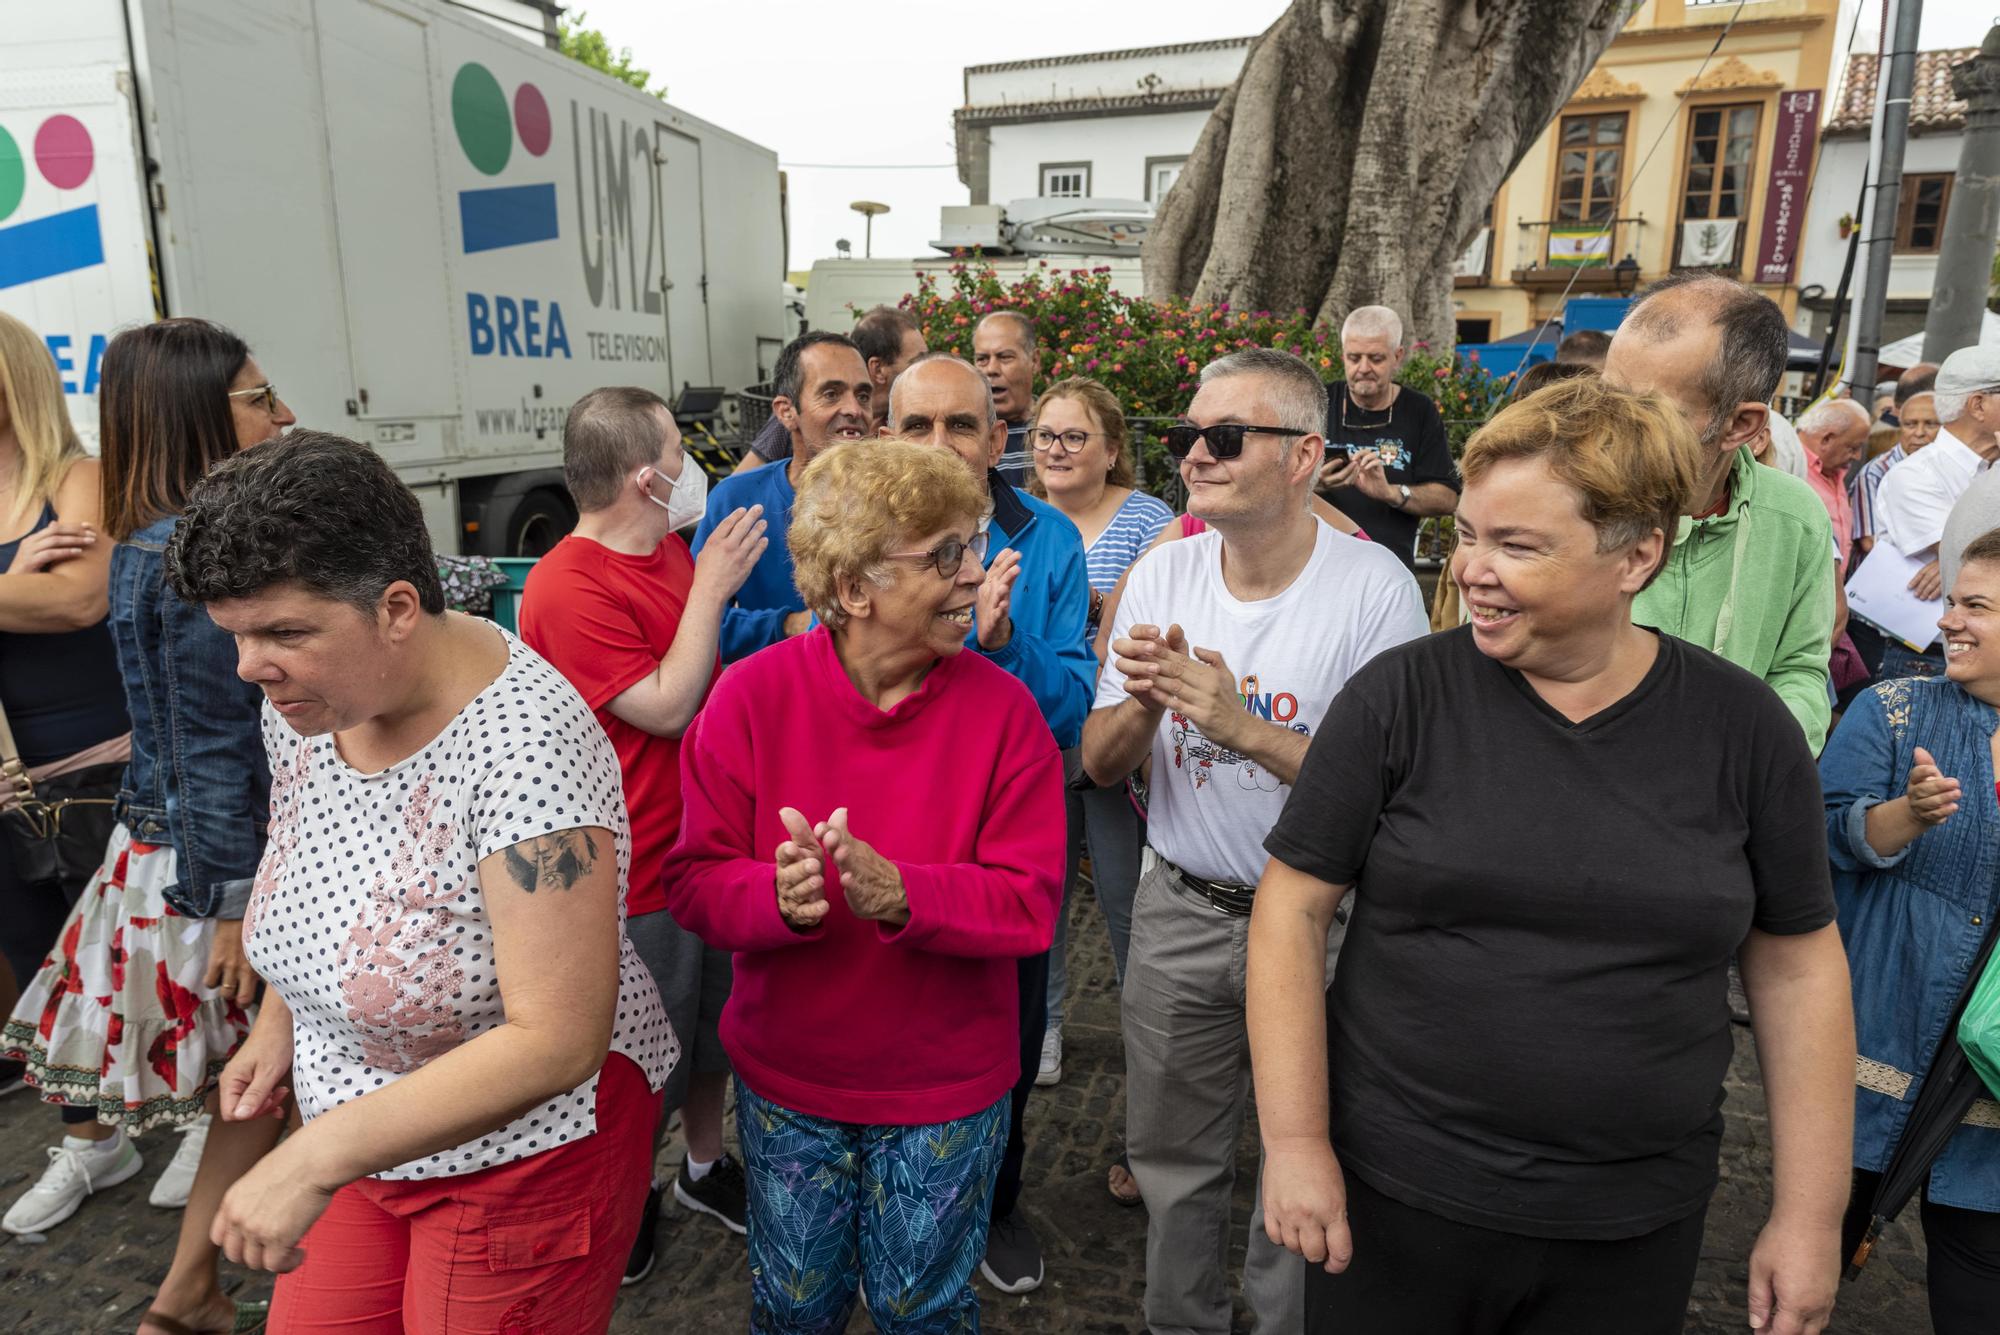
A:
x: 511, y: 215
x: 62, y: 243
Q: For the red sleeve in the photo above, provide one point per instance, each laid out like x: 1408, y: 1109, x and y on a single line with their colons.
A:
x: 586, y: 630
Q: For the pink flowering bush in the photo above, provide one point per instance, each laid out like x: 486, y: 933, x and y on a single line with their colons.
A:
x: 1150, y: 353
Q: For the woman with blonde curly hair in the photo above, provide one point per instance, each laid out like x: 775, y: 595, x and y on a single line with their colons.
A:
x: 874, y: 824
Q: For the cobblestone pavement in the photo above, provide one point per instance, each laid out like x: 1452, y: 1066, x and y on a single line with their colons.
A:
x: 95, y: 1273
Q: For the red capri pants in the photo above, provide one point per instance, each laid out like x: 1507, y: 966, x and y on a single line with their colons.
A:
x: 535, y: 1247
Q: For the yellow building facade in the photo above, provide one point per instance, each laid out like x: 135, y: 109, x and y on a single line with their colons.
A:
x: 1663, y: 159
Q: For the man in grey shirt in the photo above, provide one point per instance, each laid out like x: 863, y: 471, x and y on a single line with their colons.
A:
x: 1968, y: 406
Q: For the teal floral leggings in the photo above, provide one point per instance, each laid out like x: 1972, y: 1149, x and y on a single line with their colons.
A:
x: 902, y: 1209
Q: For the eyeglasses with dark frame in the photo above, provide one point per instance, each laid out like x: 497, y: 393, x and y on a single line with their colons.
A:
x: 1072, y: 442
x: 948, y: 556
x: 1225, y: 439
x: 266, y: 394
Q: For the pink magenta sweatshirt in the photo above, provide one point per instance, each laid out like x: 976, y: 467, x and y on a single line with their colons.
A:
x: 961, y: 786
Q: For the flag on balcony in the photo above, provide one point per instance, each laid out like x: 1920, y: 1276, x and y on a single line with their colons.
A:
x: 1708, y: 243
x: 1579, y: 247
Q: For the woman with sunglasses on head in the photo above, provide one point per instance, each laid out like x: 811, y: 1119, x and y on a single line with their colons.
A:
x: 146, y: 994
x: 1084, y: 467
x: 873, y: 822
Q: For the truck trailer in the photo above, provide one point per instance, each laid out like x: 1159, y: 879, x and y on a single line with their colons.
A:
x: 435, y: 234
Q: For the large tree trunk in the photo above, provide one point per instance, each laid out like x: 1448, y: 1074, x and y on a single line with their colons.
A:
x: 1355, y: 155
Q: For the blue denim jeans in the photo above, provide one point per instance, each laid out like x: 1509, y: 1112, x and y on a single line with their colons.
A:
x: 901, y: 1209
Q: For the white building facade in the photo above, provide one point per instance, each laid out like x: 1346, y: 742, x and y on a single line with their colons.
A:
x: 1930, y: 163
x: 1109, y: 125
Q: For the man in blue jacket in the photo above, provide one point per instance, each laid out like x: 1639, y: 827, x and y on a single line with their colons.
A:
x: 821, y: 393
x: 1030, y: 620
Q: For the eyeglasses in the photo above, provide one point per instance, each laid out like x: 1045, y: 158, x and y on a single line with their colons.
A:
x: 1225, y: 440
x: 1346, y: 402
x: 947, y: 556
x: 1071, y: 441
x: 265, y: 394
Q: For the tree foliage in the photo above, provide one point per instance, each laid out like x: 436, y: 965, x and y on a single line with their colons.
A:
x: 591, y: 47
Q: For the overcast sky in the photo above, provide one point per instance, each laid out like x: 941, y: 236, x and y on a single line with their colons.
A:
x: 875, y: 84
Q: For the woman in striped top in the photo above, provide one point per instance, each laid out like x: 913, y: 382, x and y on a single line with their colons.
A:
x: 1084, y: 467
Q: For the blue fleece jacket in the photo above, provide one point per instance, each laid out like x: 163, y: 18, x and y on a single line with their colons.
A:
x: 756, y: 615
x: 1048, y: 650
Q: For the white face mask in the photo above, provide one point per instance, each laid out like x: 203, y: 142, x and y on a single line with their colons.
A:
x: 689, y: 498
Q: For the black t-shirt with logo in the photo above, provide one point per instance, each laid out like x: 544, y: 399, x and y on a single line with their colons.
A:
x: 1529, y: 1027
x: 1410, y: 435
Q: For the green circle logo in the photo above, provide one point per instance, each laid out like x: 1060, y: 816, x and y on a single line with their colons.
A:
x: 13, y: 174
x: 479, y: 113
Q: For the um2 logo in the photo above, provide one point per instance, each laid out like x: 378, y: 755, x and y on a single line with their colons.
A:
x: 56, y: 243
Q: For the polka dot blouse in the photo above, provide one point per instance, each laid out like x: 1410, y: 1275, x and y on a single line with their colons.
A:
x: 369, y: 919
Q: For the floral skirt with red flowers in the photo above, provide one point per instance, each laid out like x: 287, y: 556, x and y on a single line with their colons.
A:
x: 117, y: 1019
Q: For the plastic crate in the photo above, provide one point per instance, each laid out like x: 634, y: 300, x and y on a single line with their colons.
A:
x: 753, y: 409
x: 507, y: 601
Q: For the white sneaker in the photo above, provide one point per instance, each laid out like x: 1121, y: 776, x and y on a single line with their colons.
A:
x: 72, y: 1174
x: 171, y: 1191
x: 1050, y: 1071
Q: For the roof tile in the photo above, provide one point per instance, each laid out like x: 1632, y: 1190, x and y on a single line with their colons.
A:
x: 1932, y: 106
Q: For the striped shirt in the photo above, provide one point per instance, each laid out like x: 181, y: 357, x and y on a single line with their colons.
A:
x: 1130, y: 532
x: 1017, y: 465
x: 1866, y: 483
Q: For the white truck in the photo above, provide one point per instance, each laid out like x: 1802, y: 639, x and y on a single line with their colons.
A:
x: 435, y: 235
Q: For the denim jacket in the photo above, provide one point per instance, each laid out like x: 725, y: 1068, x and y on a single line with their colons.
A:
x: 198, y: 778
x: 1913, y: 922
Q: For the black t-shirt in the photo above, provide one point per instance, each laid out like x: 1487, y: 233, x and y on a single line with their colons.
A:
x: 1529, y: 1027
x: 1410, y: 435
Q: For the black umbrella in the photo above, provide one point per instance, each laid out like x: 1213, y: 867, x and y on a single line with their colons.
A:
x: 1949, y: 1091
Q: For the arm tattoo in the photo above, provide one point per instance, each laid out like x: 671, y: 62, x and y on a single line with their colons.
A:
x: 560, y: 859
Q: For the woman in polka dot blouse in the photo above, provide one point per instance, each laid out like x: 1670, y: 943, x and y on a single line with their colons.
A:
x: 475, y: 1048
x: 873, y: 822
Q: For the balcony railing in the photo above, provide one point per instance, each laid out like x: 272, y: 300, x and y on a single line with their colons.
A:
x: 1583, y: 256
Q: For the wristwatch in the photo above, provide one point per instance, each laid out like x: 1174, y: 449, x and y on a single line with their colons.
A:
x: 1403, y: 494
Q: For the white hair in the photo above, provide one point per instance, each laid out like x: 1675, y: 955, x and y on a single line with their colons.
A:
x: 1297, y: 394
x: 1373, y: 320
x: 1822, y: 416
x: 1951, y: 407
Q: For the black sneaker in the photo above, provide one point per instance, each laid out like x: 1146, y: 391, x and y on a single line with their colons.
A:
x: 724, y: 1192
x: 640, y: 1264
x: 1013, y: 1262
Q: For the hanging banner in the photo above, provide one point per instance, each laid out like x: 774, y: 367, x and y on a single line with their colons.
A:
x: 1579, y: 247
x: 1472, y: 264
x: 1708, y: 244
x: 1785, y: 189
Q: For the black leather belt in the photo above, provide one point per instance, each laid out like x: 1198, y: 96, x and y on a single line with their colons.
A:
x: 1234, y: 900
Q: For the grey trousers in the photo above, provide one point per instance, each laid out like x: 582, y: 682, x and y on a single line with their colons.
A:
x: 1104, y: 823
x: 1187, y: 1084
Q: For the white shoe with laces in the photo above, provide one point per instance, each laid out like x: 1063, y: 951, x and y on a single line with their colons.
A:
x: 72, y: 1175
x: 1050, y: 1070
x: 171, y: 1191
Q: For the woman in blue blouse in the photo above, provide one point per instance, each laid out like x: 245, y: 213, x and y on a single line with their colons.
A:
x: 1913, y: 826
x: 1084, y: 467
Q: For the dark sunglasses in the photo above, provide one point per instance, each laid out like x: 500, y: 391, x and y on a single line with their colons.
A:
x: 947, y: 556
x: 1224, y: 441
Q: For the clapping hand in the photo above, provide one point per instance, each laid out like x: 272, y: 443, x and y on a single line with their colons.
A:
x: 1932, y: 796
x: 730, y: 554
x: 801, y: 874
x: 994, y: 608
x: 873, y: 886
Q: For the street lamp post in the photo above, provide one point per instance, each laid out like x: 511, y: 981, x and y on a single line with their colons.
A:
x: 868, y: 208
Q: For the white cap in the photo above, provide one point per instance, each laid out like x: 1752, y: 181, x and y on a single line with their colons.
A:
x: 1970, y: 370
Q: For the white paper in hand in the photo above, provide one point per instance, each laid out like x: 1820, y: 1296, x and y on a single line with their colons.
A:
x: 1879, y: 593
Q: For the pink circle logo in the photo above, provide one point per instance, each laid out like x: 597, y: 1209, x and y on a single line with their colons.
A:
x: 63, y: 152
x: 531, y: 119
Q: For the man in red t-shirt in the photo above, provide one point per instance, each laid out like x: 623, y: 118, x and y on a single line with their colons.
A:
x: 633, y: 620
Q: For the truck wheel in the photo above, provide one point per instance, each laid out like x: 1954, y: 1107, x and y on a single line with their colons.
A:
x: 538, y: 523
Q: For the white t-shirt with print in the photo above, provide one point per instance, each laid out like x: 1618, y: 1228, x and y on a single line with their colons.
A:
x: 1210, y: 807
x: 369, y: 919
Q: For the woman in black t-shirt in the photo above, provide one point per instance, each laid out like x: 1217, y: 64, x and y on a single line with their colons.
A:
x: 1559, y: 827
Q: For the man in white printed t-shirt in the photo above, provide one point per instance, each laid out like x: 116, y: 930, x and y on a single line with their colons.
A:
x: 1226, y: 650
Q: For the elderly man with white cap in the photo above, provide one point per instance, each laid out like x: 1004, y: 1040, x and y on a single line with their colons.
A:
x: 1966, y: 399
x: 1919, y: 498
